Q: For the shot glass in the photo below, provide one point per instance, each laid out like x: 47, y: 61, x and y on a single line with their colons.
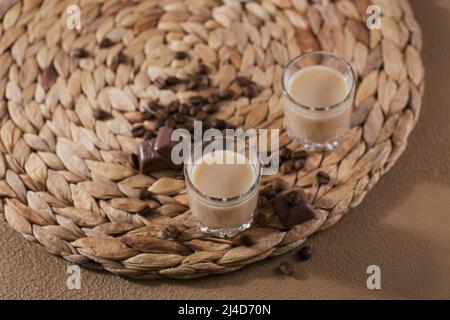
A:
x: 222, y: 179
x: 326, y: 117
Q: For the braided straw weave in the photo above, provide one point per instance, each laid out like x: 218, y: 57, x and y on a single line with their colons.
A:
x: 65, y: 179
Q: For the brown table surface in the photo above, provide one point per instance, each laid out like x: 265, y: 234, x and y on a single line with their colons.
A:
x: 402, y: 226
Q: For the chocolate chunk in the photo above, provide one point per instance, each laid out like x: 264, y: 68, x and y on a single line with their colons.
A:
x: 138, y: 131
x: 144, y: 211
x: 246, y: 240
x: 149, y: 160
x: 292, y: 207
x: 286, y: 268
x: 268, y: 192
x: 163, y: 144
x: 279, y: 185
x: 305, y: 253
x: 102, y: 115
x: 171, y: 232
x: 323, y: 177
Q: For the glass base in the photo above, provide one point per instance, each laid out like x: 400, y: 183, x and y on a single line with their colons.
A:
x: 312, y: 146
x: 225, y: 232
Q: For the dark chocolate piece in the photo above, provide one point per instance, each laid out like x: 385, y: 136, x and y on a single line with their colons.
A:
x: 292, y: 207
x: 163, y: 143
x: 149, y: 160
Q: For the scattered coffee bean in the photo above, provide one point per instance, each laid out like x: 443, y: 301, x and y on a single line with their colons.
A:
x: 300, y: 155
x: 213, y: 97
x: 80, y: 53
x: 171, y: 123
x: 144, y: 211
x: 227, y: 94
x: 106, y: 43
x: 179, y: 118
x: 268, y: 192
x: 146, y: 115
x: 134, y: 162
x: 138, y: 131
x: 323, y: 177
x: 172, y: 81
x: 160, y: 82
x: 193, y: 111
x: 173, y: 106
x: 201, y: 116
x: 181, y: 55
x: 285, y: 154
x: 262, y: 201
x: 171, y: 232
x: 218, y: 124
x: 161, y: 114
x: 259, y: 218
x: 299, y: 164
x: 286, y: 268
x: 279, y: 185
x: 101, y: 115
x: 144, y: 194
x: 184, y: 109
x: 250, y: 91
x: 246, y: 240
x: 305, y: 253
x: 210, y: 108
x: 198, y: 100
x: 286, y: 167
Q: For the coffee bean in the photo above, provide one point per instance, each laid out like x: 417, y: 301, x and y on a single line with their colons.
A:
x: 193, y: 111
x: 144, y: 211
x: 138, y: 131
x: 160, y: 82
x: 159, y: 124
x: 259, y: 218
x: 285, y: 154
x: 173, y: 106
x: 323, y: 177
x: 279, y: 185
x: 80, y: 53
x: 153, y: 106
x: 268, y: 192
x: 299, y: 164
x: 243, y: 81
x: 246, y: 240
x: 144, y: 194
x: 198, y: 100
x: 262, y: 201
x: 149, y: 135
x: 172, y: 81
x: 286, y: 268
x: 305, y: 253
x: 171, y: 232
x: 210, y: 108
x: 171, y: 123
x: 161, y: 114
x: 134, y: 162
x: 300, y: 155
x: 227, y: 94
x: 146, y: 115
x: 181, y: 55
x: 101, y: 115
x: 250, y: 91
x: 213, y: 97
x: 201, y: 116
x: 106, y: 43
x: 218, y: 124
x: 293, y: 198
x: 179, y: 118
x: 286, y: 167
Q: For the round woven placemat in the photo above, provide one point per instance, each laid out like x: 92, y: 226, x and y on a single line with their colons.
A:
x: 65, y: 179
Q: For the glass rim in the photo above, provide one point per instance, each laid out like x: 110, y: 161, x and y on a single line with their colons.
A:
x: 322, y: 53
x: 235, y: 199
